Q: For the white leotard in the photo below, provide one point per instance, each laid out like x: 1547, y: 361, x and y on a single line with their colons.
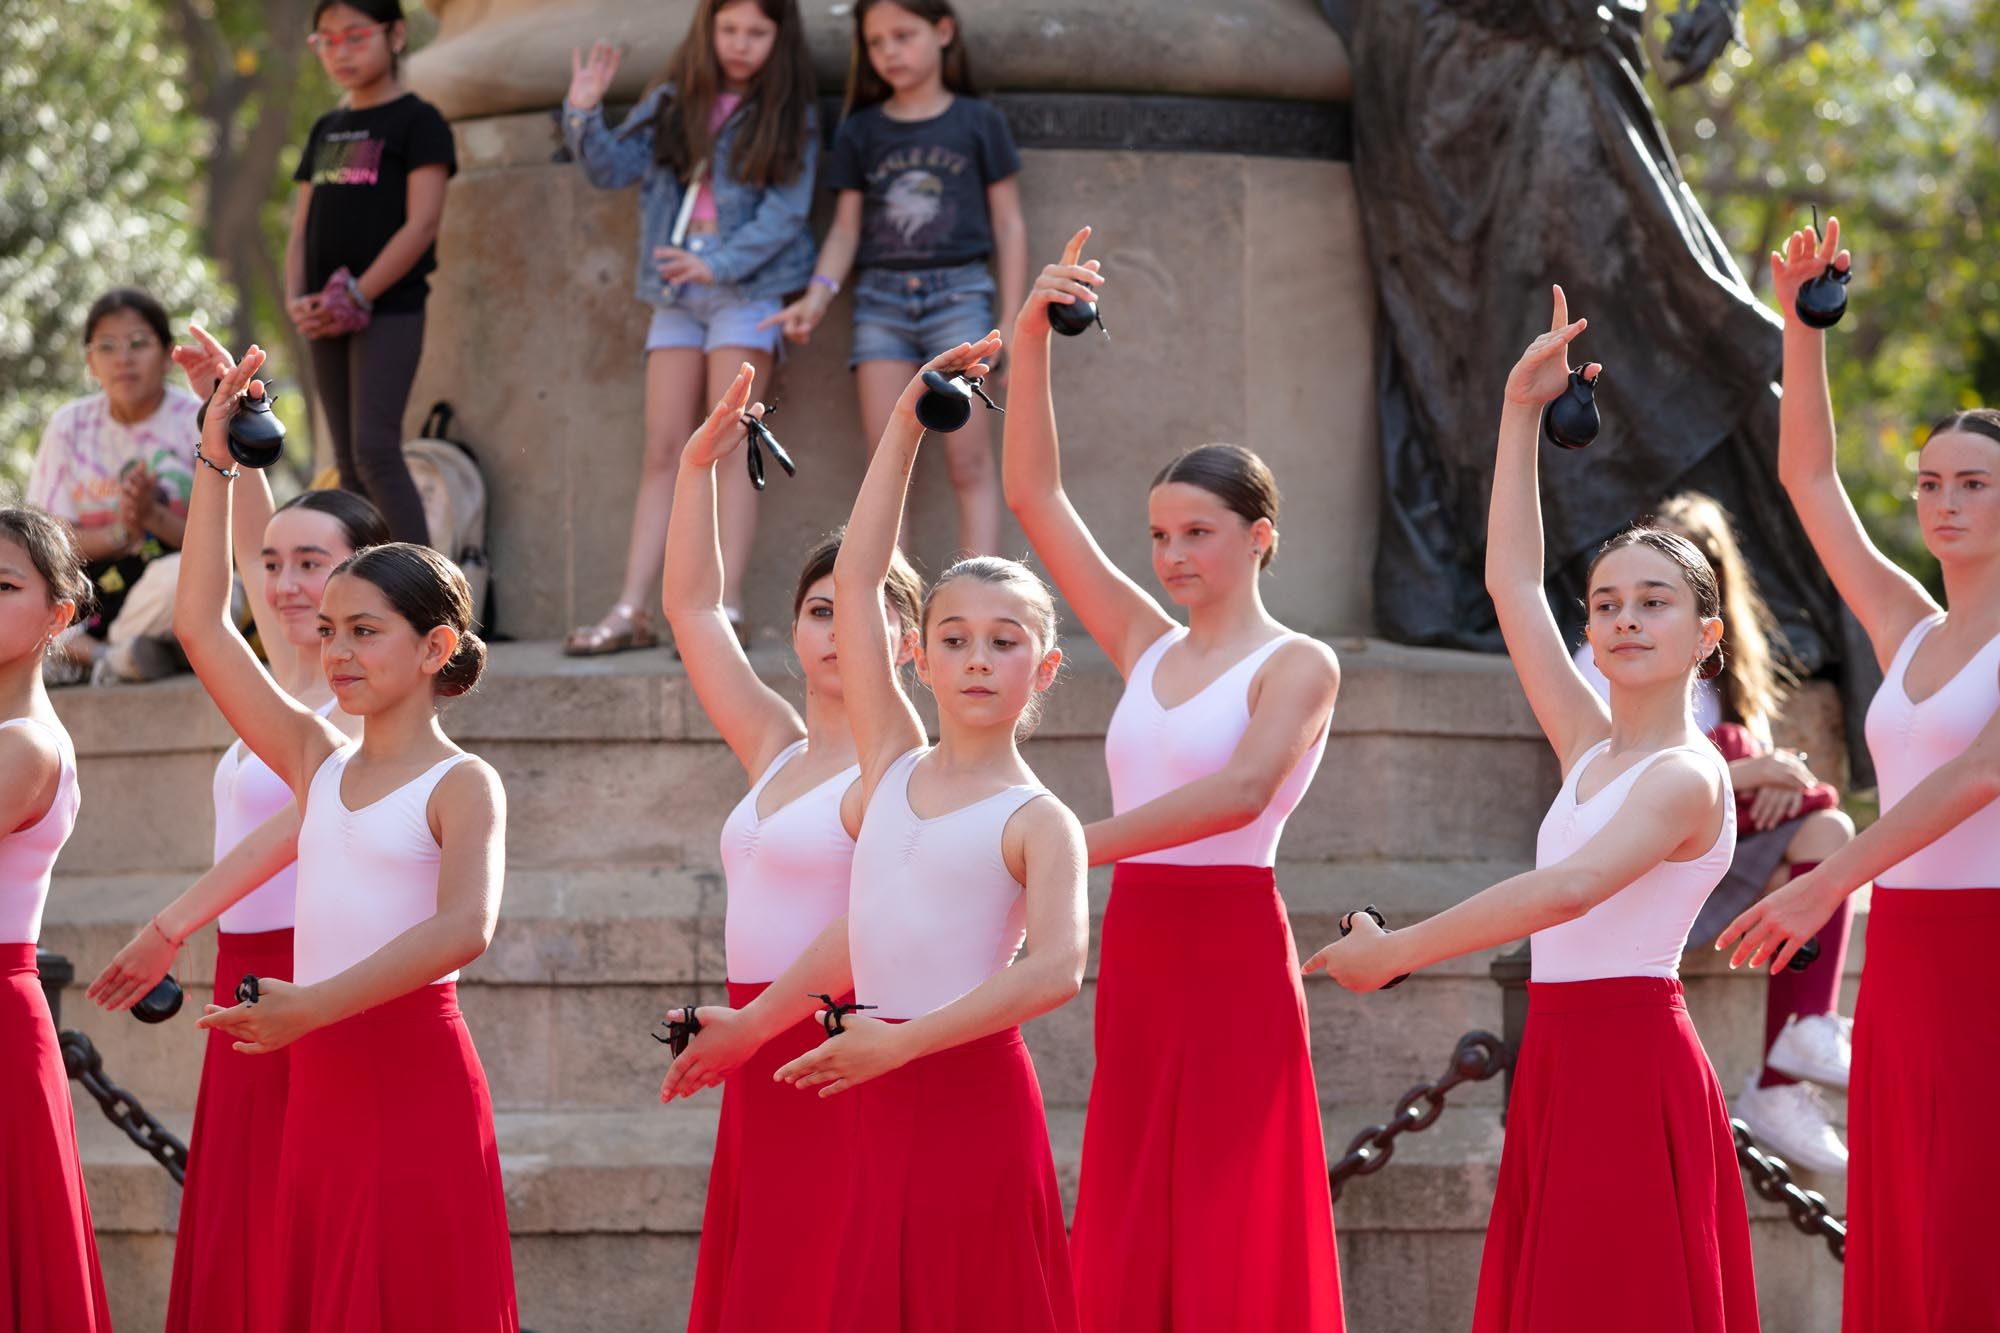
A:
x: 933, y: 910
x: 1640, y: 930
x: 246, y: 794
x: 28, y: 856
x: 1911, y: 741
x: 367, y: 875
x: 787, y: 873
x: 1151, y: 750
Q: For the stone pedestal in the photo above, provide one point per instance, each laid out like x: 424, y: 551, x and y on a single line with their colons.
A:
x: 1241, y: 305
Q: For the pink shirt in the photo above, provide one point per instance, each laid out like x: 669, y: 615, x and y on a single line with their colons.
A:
x: 704, y: 198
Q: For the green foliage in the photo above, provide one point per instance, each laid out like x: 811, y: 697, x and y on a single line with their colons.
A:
x: 1880, y: 113
x: 97, y: 169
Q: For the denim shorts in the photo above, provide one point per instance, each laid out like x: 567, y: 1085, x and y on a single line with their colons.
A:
x: 704, y: 316
x: 915, y: 314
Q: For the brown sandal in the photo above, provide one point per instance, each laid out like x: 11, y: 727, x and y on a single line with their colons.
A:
x: 624, y: 627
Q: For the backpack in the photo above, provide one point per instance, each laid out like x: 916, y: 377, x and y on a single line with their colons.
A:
x: 447, y: 475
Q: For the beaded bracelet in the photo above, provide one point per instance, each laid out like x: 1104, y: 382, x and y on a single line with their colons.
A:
x: 226, y: 473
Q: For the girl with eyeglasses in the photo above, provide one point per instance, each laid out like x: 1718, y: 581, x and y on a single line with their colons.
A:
x: 371, y: 195
x: 116, y: 467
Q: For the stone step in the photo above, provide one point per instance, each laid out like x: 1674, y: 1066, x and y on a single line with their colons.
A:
x: 1432, y: 754
x: 585, y: 960
x: 606, y: 1209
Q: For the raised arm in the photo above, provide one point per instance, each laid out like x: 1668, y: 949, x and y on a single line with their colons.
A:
x: 250, y: 513
x: 1043, y: 847
x: 1116, y: 612
x: 286, y: 735
x: 1570, y: 713
x: 1291, y: 703
x: 1887, y: 601
x: 138, y: 967
x: 755, y: 721
x: 1774, y: 927
x: 1675, y: 808
x: 885, y: 725
x: 468, y: 816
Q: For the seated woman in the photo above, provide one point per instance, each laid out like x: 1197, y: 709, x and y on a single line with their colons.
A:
x: 117, y: 466
x: 1788, y: 822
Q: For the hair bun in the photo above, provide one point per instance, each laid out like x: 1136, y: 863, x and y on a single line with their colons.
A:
x: 463, y: 670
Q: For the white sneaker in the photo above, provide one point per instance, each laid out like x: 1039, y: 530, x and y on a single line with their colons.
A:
x: 1790, y: 1121
x: 1817, y: 1048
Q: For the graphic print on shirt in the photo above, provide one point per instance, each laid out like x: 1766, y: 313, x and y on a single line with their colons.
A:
x: 347, y: 157
x: 917, y: 210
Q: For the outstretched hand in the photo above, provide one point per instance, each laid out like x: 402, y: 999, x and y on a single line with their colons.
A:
x: 723, y: 433
x: 227, y: 382
x: 1805, y: 256
x: 282, y: 1013
x: 1542, y: 373
x: 1361, y: 960
x: 866, y: 1048
x: 1062, y: 283
x: 1780, y: 922
x: 590, y: 75
x: 972, y: 360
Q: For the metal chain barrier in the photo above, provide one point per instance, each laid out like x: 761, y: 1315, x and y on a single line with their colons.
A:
x: 1478, y: 1056
x: 84, y: 1065
x: 120, y: 1107
x: 1772, y: 1180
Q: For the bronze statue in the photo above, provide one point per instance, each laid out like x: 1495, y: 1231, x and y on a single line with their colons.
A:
x: 1502, y: 145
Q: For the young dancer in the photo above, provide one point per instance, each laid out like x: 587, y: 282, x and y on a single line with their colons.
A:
x: 388, y: 1205
x: 1183, y: 1219
x: 723, y: 148
x: 1787, y: 822
x: 954, y: 1219
x: 925, y: 174
x: 221, y: 1267
x: 49, y: 1276
x: 357, y: 265
x: 1923, y: 1150
x: 1642, y: 830
x: 787, y: 854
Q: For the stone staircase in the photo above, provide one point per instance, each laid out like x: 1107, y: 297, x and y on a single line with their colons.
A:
x: 1434, y: 780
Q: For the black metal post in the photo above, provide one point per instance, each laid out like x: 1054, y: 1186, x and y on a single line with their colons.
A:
x: 1510, y: 973
x: 56, y: 973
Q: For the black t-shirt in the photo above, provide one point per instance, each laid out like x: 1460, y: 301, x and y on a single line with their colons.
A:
x: 923, y: 182
x: 358, y: 164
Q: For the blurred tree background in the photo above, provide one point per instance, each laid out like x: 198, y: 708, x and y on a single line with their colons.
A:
x: 1881, y: 113
x: 147, y: 143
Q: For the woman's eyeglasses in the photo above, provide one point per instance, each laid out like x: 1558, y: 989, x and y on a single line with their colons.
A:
x: 137, y: 345
x: 334, y: 41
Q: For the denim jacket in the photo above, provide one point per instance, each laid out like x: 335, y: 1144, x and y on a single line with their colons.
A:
x: 765, y: 235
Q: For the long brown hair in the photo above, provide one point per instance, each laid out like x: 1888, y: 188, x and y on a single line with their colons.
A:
x: 1752, y: 681
x: 771, y: 148
x: 866, y: 88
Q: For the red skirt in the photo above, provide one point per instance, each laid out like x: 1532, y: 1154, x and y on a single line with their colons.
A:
x: 224, y: 1269
x: 766, y: 1262
x: 49, y: 1279
x: 1920, y: 1107
x: 1619, y: 1192
x: 390, y: 1208
x: 1203, y: 1202
x: 954, y: 1223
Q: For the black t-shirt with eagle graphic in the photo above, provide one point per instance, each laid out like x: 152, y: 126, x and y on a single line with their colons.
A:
x: 923, y: 182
